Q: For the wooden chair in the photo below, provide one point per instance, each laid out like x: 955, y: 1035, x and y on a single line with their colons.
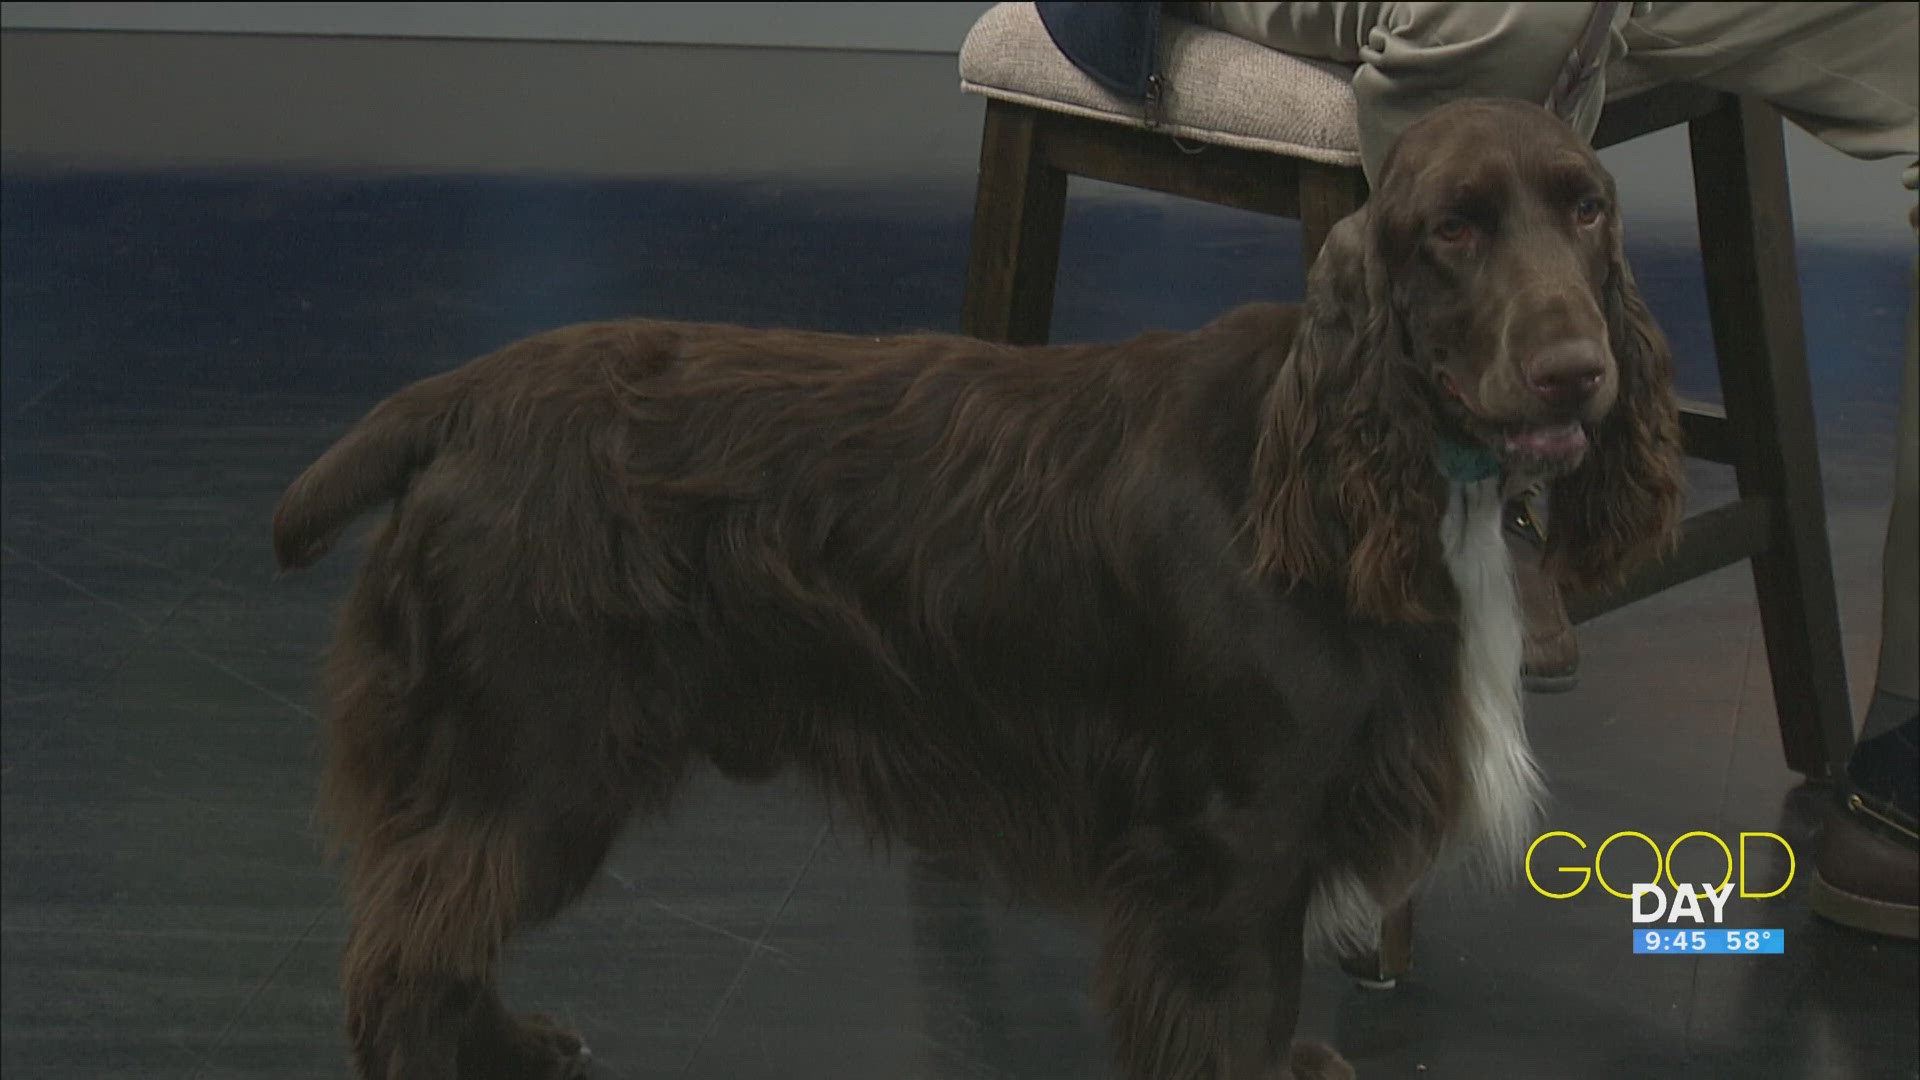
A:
x: 1274, y: 134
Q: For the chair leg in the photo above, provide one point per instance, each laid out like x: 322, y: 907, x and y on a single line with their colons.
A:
x: 1382, y: 967
x: 1753, y: 298
x: 1327, y: 194
x: 1017, y: 212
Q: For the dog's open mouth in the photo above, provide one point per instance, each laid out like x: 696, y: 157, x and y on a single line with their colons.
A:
x: 1554, y: 446
x: 1548, y: 442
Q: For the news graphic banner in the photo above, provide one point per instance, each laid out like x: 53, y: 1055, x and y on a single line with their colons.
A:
x: 1672, y: 916
x: 1709, y: 942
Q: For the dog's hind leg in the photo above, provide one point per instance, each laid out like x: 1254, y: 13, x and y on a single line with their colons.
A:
x: 491, y: 821
x: 562, y: 861
x: 431, y: 911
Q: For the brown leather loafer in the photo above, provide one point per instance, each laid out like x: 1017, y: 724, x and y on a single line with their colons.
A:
x: 1867, y: 866
x: 1866, y: 873
x: 1550, y: 662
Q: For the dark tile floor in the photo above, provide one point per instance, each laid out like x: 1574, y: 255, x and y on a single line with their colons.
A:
x: 177, y: 347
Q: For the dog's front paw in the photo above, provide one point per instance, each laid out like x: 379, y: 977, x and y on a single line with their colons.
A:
x: 526, y: 1048
x: 1311, y: 1060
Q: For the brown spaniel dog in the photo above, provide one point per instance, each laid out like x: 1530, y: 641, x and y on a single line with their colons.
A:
x: 1210, y: 635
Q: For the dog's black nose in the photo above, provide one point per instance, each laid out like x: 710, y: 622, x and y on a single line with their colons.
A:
x: 1567, y: 374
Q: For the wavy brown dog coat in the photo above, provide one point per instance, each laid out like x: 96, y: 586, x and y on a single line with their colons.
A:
x: 1159, y: 630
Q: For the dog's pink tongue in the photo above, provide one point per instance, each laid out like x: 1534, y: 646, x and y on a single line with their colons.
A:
x: 1548, y: 440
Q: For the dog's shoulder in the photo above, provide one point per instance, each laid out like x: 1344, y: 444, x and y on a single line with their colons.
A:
x: 1261, y: 318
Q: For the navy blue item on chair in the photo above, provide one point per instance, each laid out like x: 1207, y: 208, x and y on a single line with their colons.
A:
x: 1114, y: 43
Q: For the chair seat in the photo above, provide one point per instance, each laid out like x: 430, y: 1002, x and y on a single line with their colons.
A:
x: 1221, y: 89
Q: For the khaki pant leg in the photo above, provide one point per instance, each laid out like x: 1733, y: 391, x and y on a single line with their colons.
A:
x: 1846, y: 72
x: 1415, y: 56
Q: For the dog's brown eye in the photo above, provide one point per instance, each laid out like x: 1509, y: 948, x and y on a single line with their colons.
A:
x: 1453, y: 230
x: 1588, y: 210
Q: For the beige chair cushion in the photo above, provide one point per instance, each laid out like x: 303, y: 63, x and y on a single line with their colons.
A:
x: 1220, y: 88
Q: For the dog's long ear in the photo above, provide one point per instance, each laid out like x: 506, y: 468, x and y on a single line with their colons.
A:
x: 1623, y: 504
x: 1346, y: 494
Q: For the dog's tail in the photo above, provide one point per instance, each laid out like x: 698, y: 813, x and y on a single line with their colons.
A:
x: 371, y: 464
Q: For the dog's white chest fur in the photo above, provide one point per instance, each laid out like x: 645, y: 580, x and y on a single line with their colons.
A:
x: 1502, y: 781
